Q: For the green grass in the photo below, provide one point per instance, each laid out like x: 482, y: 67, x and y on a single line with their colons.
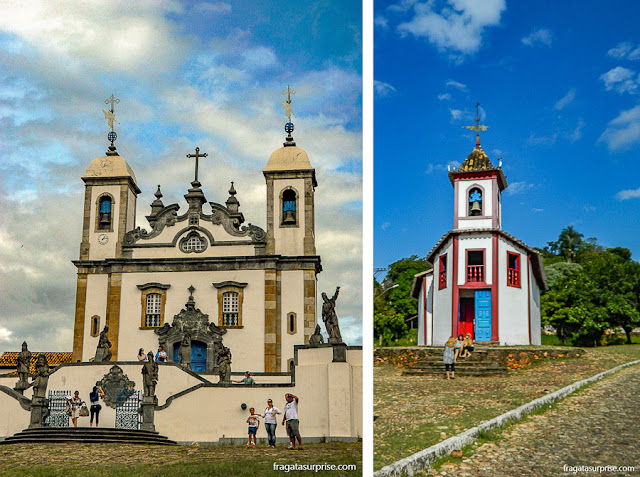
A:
x: 115, y: 460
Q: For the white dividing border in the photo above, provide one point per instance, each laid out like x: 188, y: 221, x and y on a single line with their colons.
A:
x: 422, y: 460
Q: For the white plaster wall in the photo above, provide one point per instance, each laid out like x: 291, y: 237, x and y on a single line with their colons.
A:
x: 442, y: 298
x: 211, y: 251
x: 6, y: 380
x: 428, y: 322
x: 246, y: 343
x: 536, y: 319
x: 131, y: 211
x: 513, y: 306
x: 475, y: 242
x: 13, y: 418
x: 97, y: 251
x: 292, y: 300
x: 289, y: 240
x: 96, y: 304
x: 462, y: 191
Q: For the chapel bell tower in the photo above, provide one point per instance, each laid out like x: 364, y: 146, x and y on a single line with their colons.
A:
x: 291, y: 182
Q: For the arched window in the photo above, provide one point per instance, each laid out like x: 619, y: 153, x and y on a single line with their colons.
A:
x: 230, y: 309
x: 193, y: 243
x: 104, y: 213
x: 95, y: 325
x: 154, y: 310
x: 475, y: 202
x: 291, y: 323
x: 289, y: 207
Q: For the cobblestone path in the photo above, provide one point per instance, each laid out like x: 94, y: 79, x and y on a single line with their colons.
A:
x: 598, y: 426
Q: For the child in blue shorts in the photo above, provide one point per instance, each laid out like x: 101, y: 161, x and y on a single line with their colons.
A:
x: 254, y: 423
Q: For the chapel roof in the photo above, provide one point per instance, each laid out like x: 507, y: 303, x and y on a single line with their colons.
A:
x: 288, y: 158
x: 478, y: 161
x: 9, y: 359
x: 110, y: 166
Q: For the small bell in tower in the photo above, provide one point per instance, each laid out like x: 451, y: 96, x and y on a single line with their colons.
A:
x: 289, y: 217
x: 476, y: 209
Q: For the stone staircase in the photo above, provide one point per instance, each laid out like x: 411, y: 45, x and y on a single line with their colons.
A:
x: 479, y: 364
x: 45, y: 435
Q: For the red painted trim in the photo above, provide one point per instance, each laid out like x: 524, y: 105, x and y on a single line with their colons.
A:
x: 529, y: 295
x: 518, y: 269
x: 494, y: 198
x: 440, y: 285
x: 466, y: 267
x: 472, y: 175
x: 473, y: 286
x: 454, y: 288
x: 455, y: 205
x: 424, y: 315
x: 494, y: 291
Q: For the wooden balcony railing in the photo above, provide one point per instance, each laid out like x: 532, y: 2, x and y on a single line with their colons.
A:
x: 443, y: 279
x: 475, y: 273
x: 513, y: 277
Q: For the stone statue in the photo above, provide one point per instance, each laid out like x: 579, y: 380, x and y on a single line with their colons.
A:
x: 224, y: 364
x: 330, y: 317
x: 103, y: 353
x: 41, y: 377
x: 150, y: 375
x: 316, y: 339
x: 23, y: 363
x: 185, y: 352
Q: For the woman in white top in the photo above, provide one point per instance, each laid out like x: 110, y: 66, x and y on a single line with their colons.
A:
x: 270, y: 422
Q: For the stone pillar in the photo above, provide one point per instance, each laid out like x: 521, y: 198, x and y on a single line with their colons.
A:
x: 339, y: 352
x: 39, y: 412
x: 270, y: 332
x: 309, y: 304
x: 78, y: 329
x: 148, y: 410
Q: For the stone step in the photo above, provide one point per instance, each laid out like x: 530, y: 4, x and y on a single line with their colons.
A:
x: 440, y: 364
x: 88, y: 434
x: 459, y: 372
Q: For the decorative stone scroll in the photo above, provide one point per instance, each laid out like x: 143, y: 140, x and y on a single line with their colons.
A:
x: 116, y: 386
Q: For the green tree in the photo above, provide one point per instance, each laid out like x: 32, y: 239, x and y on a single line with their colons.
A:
x: 569, y: 243
x: 387, y: 326
x: 401, y: 273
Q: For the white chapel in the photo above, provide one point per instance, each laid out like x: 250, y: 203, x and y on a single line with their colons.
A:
x: 203, y: 271
x: 483, y: 280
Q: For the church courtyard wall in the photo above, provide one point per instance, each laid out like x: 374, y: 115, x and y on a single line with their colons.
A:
x: 195, y: 408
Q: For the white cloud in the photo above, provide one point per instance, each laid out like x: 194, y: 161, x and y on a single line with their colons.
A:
x: 621, y: 50
x: 455, y: 84
x: 431, y: 168
x: 385, y: 225
x: 537, y: 210
x: 85, y: 33
x: 458, y: 26
x: 5, y: 334
x: 259, y: 57
x: 541, y: 36
x: 444, y: 97
x: 381, y: 22
x: 576, y: 134
x: 565, y: 100
x: 536, y: 140
x: 621, y: 80
x: 216, y: 8
x: 456, y: 114
x: 382, y: 89
x: 623, y: 131
x: 628, y: 194
x: 518, y: 187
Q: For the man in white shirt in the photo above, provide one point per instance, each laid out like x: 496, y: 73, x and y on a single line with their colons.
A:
x: 292, y: 421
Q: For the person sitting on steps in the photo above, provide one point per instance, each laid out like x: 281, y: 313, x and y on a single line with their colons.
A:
x: 467, y: 346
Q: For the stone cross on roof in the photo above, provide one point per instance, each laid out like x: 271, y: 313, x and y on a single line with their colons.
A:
x: 197, y: 155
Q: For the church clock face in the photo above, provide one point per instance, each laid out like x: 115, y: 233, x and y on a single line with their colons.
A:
x: 103, y: 239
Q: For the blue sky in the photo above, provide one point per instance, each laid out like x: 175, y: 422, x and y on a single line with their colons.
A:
x: 558, y: 87
x: 207, y: 74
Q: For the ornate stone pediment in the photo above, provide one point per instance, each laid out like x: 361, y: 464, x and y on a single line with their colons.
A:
x: 167, y: 217
x: 117, y: 387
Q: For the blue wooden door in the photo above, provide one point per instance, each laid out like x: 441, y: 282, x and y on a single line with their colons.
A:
x: 198, y: 357
x: 483, y: 315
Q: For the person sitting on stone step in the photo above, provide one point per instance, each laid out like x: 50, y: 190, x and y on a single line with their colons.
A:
x: 459, y: 343
x: 467, y: 346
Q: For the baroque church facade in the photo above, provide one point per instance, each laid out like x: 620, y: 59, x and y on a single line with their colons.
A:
x: 483, y: 280
x: 202, y: 273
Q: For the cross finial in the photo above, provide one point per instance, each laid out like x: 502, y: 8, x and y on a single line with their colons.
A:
x: 478, y: 128
x: 287, y: 104
x: 110, y: 116
x: 113, y: 100
x: 197, y: 155
x: 191, y: 290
